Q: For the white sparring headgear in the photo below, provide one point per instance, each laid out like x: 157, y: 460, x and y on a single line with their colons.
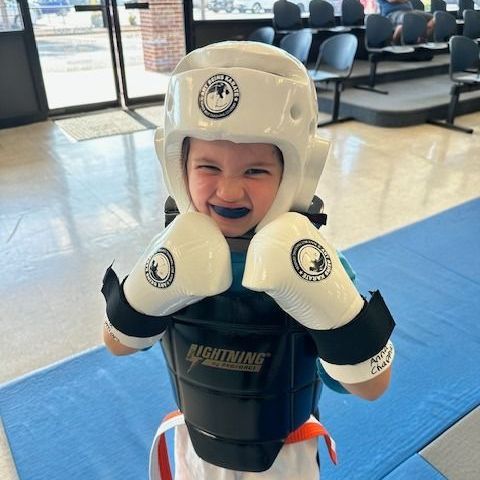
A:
x: 245, y: 92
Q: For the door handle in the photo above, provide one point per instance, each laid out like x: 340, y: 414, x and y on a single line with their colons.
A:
x: 89, y: 8
x: 139, y: 5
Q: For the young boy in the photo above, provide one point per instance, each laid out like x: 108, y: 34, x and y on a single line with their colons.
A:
x: 244, y: 293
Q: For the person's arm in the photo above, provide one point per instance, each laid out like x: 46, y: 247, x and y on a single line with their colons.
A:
x: 375, y: 387
x: 371, y: 389
x: 113, y: 344
x: 368, y: 390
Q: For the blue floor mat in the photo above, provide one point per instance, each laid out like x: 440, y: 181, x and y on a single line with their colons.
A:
x: 93, y: 416
x: 429, y: 275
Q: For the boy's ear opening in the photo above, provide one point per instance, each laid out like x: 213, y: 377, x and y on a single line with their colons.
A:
x: 184, y: 154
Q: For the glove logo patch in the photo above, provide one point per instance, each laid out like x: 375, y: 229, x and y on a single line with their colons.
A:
x: 160, y: 268
x: 219, y: 96
x: 311, y: 261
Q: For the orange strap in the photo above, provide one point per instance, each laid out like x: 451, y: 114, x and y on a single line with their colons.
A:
x: 310, y: 429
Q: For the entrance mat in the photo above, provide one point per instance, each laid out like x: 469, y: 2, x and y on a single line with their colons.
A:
x: 93, y: 416
x: 153, y: 114
x: 86, y: 127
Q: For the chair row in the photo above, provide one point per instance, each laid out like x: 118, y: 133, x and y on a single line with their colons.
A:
x: 441, y: 5
x: 287, y: 15
x: 334, y: 62
x: 336, y: 55
x: 379, y: 40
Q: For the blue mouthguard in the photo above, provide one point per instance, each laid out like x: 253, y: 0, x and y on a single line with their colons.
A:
x: 231, y: 212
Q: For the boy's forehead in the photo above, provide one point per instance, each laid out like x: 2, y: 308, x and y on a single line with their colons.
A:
x: 226, y: 150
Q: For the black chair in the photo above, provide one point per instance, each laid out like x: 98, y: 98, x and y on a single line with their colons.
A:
x: 471, y: 26
x: 298, y: 44
x: 414, y: 29
x: 334, y: 64
x: 445, y: 27
x: 418, y: 5
x: 464, y: 72
x: 286, y: 16
x: 378, y: 44
x: 438, y: 6
x: 464, y: 5
x: 353, y: 14
x: 262, y: 35
x: 322, y: 14
x: 322, y: 17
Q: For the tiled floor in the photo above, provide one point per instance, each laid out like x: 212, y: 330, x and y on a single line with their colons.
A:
x: 68, y: 209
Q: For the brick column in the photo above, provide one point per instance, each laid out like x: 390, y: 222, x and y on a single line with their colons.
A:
x: 163, y: 35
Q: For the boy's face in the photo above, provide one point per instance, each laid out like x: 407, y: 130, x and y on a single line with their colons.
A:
x: 234, y: 183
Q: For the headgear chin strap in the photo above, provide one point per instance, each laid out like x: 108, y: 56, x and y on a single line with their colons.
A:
x: 245, y: 92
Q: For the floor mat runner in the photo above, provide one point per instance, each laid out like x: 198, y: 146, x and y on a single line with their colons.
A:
x: 154, y: 114
x: 86, y: 127
x: 93, y: 416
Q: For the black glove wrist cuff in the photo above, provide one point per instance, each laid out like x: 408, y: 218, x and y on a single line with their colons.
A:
x: 125, y: 318
x: 360, y: 339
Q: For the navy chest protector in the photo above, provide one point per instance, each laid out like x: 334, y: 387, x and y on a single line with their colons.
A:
x: 243, y: 371
x: 244, y: 375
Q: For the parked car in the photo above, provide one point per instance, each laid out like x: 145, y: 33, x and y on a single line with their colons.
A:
x: 261, y: 6
x: 60, y: 7
x: 12, y: 9
x: 219, y: 5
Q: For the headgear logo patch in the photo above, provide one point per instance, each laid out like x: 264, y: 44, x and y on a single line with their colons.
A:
x: 219, y: 96
x: 160, y: 268
x: 311, y: 261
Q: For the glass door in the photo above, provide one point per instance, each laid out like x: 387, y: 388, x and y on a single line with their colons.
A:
x: 74, y: 44
x: 99, y: 53
x: 22, y: 96
x: 151, y: 41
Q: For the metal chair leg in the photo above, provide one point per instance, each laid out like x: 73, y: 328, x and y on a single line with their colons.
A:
x: 450, y: 126
x: 336, y: 107
x: 372, y: 78
x: 452, y: 110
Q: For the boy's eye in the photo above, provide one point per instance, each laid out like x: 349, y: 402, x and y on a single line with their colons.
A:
x: 256, y: 171
x: 208, y: 168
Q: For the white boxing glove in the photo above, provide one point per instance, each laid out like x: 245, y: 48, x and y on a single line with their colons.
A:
x: 290, y: 260
x: 188, y: 261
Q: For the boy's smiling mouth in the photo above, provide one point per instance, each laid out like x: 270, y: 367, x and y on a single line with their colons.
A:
x: 230, y: 212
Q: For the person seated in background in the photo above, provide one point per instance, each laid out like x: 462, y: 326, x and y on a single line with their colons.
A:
x: 395, y: 10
